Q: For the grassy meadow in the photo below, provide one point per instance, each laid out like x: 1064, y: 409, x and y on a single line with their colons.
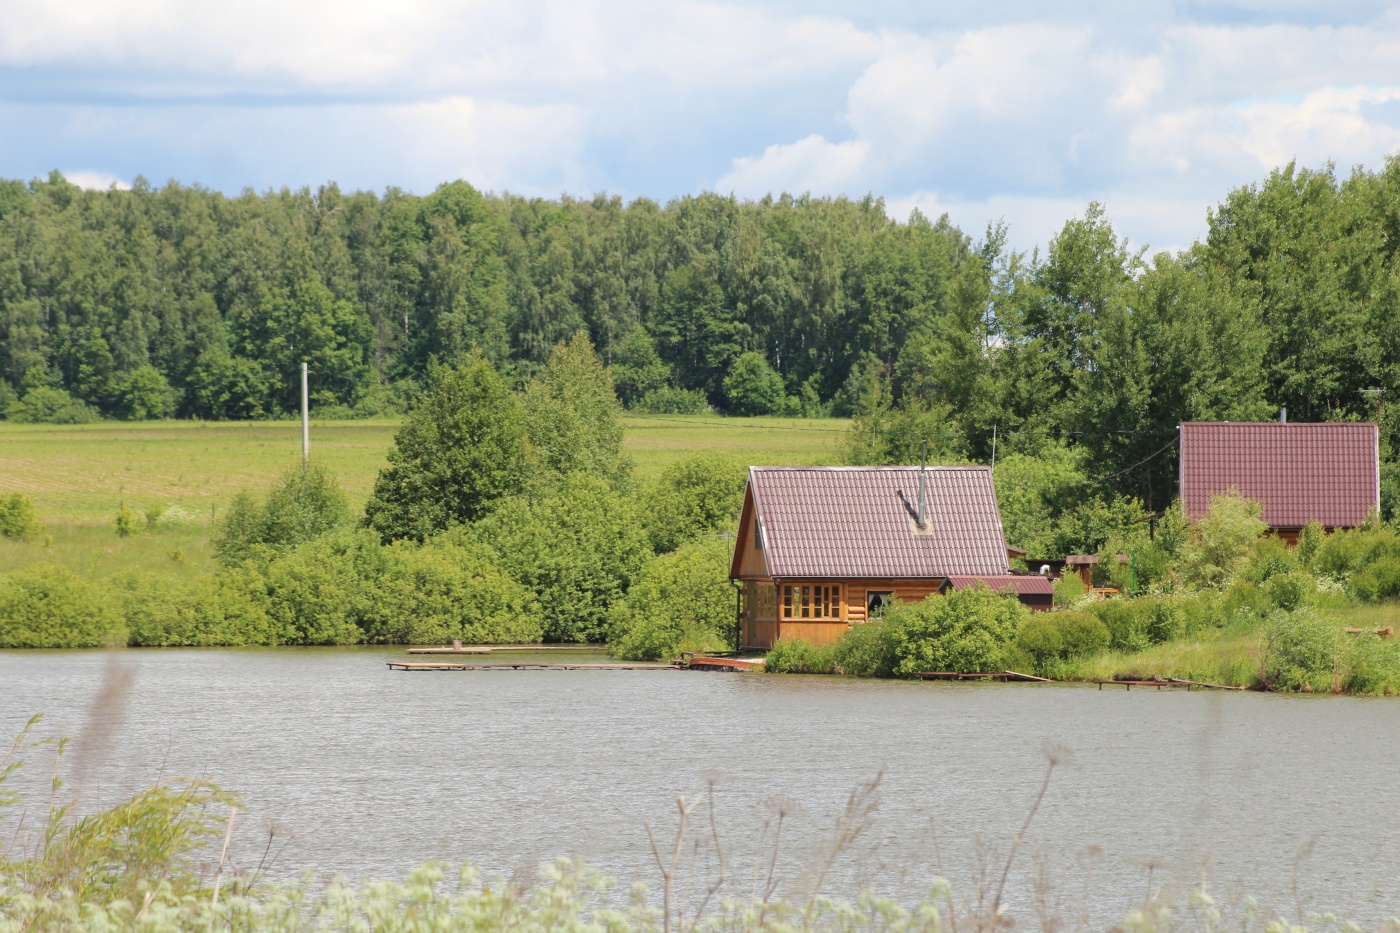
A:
x: 80, y: 475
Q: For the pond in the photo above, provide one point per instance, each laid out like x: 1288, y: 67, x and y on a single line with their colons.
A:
x: 359, y: 770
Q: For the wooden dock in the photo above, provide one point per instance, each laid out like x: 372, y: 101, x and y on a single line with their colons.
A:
x: 723, y: 664
x: 1168, y: 682
x: 1005, y: 676
x: 524, y: 666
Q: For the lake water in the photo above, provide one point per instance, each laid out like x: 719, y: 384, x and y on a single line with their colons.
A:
x: 367, y: 772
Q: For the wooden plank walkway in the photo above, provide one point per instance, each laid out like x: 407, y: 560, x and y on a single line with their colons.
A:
x: 522, y: 666
x: 990, y: 675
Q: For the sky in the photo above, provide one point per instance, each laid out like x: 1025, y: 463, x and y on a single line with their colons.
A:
x: 999, y: 110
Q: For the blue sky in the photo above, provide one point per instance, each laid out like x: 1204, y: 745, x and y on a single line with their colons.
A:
x: 997, y: 110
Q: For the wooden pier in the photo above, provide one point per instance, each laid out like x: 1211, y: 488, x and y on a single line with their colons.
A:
x: 686, y: 661
x: 1168, y: 682
x: 1004, y: 676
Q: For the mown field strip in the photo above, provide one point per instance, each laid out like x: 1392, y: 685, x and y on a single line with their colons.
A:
x: 80, y: 475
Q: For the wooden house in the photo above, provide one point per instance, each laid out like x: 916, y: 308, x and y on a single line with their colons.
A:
x: 822, y: 548
x: 1328, y: 473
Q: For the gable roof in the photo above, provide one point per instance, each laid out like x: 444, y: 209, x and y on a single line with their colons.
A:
x: 1301, y: 472
x: 850, y: 522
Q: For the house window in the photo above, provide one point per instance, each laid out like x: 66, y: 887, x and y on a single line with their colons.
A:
x: 805, y: 601
x: 757, y: 535
x: 875, y: 603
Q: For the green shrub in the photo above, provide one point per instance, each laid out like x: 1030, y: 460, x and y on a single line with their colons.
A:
x: 303, y: 505
x: 317, y: 594
x: 1051, y: 636
x: 126, y: 522
x: 1300, y: 651
x: 669, y: 401
x: 1309, y: 543
x: 869, y: 649
x: 1069, y: 590
x: 445, y: 590
x: 1269, y: 557
x: 1126, y: 625
x: 799, y: 656
x: 1220, y: 543
x: 46, y: 606
x: 680, y: 601
x: 1293, y: 589
x: 1380, y: 580
x: 19, y: 520
x: 752, y: 387
x: 1371, y: 664
x: 1345, y: 553
x: 578, y: 549
x: 700, y: 494
x: 143, y: 394
x: 227, y: 609
x: 45, y: 405
x: 968, y: 631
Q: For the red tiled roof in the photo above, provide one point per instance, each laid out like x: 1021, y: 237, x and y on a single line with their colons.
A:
x: 1026, y: 584
x: 1300, y: 472
x: 846, y: 522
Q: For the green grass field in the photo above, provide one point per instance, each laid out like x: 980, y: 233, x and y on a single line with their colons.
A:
x: 79, y: 476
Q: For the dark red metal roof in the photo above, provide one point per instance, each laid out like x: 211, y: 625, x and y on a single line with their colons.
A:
x: 847, y: 522
x: 1301, y: 472
x: 1026, y: 584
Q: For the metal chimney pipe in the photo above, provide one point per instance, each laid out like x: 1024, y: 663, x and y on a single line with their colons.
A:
x: 1283, y: 415
x: 923, y: 495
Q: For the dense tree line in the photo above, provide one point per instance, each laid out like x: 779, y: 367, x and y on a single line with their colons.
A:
x: 182, y: 301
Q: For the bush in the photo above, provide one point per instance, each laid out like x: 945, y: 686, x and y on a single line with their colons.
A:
x: 799, y: 656
x: 126, y: 522
x: 669, y: 401
x: 868, y: 649
x: 578, y: 549
x: 1371, y: 664
x: 1300, y: 651
x: 46, y: 606
x: 752, y: 387
x: 1136, y: 624
x: 45, y: 405
x: 19, y: 520
x: 316, y: 592
x: 968, y: 631
x: 143, y: 394
x: 1052, y: 636
x: 445, y: 590
x: 1294, y: 589
x: 228, y: 609
x: 1221, y: 541
x: 700, y: 494
x: 304, y: 505
x: 1069, y: 590
x: 681, y: 601
x: 1380, y: 580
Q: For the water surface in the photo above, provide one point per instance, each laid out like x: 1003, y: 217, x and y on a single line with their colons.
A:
x: 368, y: 772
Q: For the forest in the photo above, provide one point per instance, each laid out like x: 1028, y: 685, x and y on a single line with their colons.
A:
x: 182, y: 302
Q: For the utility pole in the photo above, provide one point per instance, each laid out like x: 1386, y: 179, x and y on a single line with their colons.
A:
x: 994, y: 447
x: 305, y: 423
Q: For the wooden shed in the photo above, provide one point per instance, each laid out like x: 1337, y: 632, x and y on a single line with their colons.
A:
x: 1301, y: 472
x: 822, y: 548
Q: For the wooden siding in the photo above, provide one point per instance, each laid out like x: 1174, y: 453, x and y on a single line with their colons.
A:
x: 908, y: 591
x: 763, y: 626
x: 749, y: 562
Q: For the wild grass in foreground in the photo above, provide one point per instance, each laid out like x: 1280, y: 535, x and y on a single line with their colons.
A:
x: 158, y: 862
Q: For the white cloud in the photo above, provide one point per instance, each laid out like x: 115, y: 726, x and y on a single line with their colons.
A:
x: 989, y: 110
x: 96, y: 181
